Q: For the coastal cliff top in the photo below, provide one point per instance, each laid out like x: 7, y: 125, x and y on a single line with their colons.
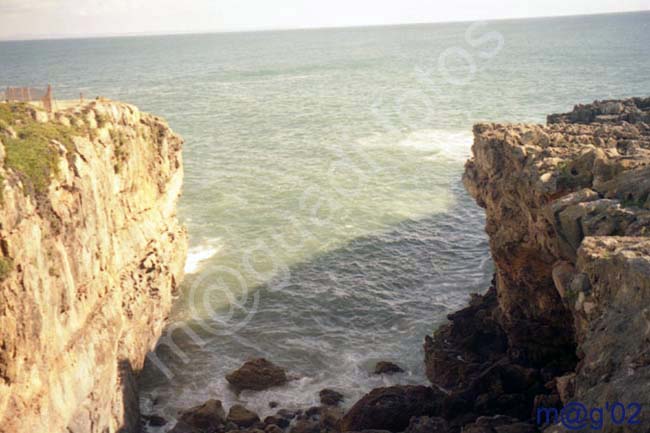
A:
x: 34, y: 140
x: 609, y: 157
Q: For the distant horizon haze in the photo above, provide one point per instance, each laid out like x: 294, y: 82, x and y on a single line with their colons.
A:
x: 49, y: 19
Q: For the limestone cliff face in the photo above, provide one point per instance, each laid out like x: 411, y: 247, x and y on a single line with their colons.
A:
x: 568, y: 216
x: 90, y: 260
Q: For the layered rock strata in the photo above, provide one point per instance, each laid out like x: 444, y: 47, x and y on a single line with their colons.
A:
x: 568, y: 216
x: 91, y: 253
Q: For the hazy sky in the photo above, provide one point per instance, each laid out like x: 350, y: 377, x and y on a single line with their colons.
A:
x: 55, y: 18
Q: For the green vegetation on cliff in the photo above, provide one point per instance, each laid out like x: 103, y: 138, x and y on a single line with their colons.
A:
x: 30, y: 153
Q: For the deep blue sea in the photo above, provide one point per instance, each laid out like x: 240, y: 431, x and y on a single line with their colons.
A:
x: 328, y: 224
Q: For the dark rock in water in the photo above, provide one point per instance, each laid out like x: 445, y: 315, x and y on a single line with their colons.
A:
x: 499, y: 424
x: 272, y: 428
x: 276, y: 420
x: 257, y: 374
x: 230, y: 426
x: 459, y: 350
x: 470, y: 357
x: 329, y: 397
x: 425, y: 424
x: 385, y: 367
x: 305, y: 426
x: 288, y: 414
x: 273, y: 404
x: 154, y: 420
x: 241, y: 416
x: 330, y: 419
x: 208, y: 416
x: 312, y: 411
x: 392, y: 408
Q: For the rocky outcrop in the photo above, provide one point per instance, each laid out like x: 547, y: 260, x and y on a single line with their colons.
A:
x: 634, y: 110
x: 257, y: 374
x: 91, y: 253
x: 568, y: 216
x: 392, y: 408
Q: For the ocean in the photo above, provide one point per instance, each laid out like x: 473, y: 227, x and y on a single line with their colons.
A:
x: 329, y: 228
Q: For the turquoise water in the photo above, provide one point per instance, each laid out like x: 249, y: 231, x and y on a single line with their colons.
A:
x: 328, y: 225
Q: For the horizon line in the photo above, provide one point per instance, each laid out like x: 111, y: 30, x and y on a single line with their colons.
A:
x: 29, y: 38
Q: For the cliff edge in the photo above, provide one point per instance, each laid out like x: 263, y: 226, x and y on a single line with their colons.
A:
x: 568, y: 316
x: 90, y: 254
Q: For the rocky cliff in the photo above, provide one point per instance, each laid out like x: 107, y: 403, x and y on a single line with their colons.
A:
x: 90, y: 255
x: 568, y: 317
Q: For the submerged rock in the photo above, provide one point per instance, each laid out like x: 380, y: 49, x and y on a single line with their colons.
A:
x: 258, y: 375
x: 329, y: 397
x: 385, y: 367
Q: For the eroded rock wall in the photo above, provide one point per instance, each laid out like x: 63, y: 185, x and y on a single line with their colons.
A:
x: 568, y: 216
x: 91, y: 264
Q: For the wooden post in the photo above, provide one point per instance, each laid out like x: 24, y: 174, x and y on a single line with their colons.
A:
x: 47, y: 99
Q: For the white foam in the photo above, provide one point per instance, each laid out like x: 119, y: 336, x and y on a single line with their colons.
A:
x: 437, y: 144
x: 199, y: 254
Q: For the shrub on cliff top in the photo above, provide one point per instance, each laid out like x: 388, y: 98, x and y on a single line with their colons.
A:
x: 31, y: 155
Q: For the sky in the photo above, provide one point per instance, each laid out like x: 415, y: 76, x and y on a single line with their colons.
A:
x: 21, y: 19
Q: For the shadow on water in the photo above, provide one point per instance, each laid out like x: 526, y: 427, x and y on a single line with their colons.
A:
x: 335, y: 315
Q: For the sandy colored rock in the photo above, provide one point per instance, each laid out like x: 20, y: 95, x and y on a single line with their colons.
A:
x: 94, y: 261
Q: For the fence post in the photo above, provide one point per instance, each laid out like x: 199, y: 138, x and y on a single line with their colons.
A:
x: 47, y: 99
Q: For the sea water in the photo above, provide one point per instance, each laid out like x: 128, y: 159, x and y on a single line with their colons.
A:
x: 329, y: 228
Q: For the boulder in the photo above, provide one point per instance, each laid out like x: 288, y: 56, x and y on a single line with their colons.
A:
x: 329, y: 397
x: 241, y: 416
x: 257, y: 374
x: 392, y: 408
x: 385, y: 367
x: 208, y: 416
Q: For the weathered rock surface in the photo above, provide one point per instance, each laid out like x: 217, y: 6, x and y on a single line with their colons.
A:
x: 88, y: 265
x: 241, y: 416
x: 329, y: 397
x: 568, y: 216
x: 385, y: 367
x: 208, y: 416
x: 257, y: 374
x: 392, y: 408
x: 634, y: 110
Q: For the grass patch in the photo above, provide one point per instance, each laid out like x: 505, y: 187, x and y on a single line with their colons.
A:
x: 31, y: 155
